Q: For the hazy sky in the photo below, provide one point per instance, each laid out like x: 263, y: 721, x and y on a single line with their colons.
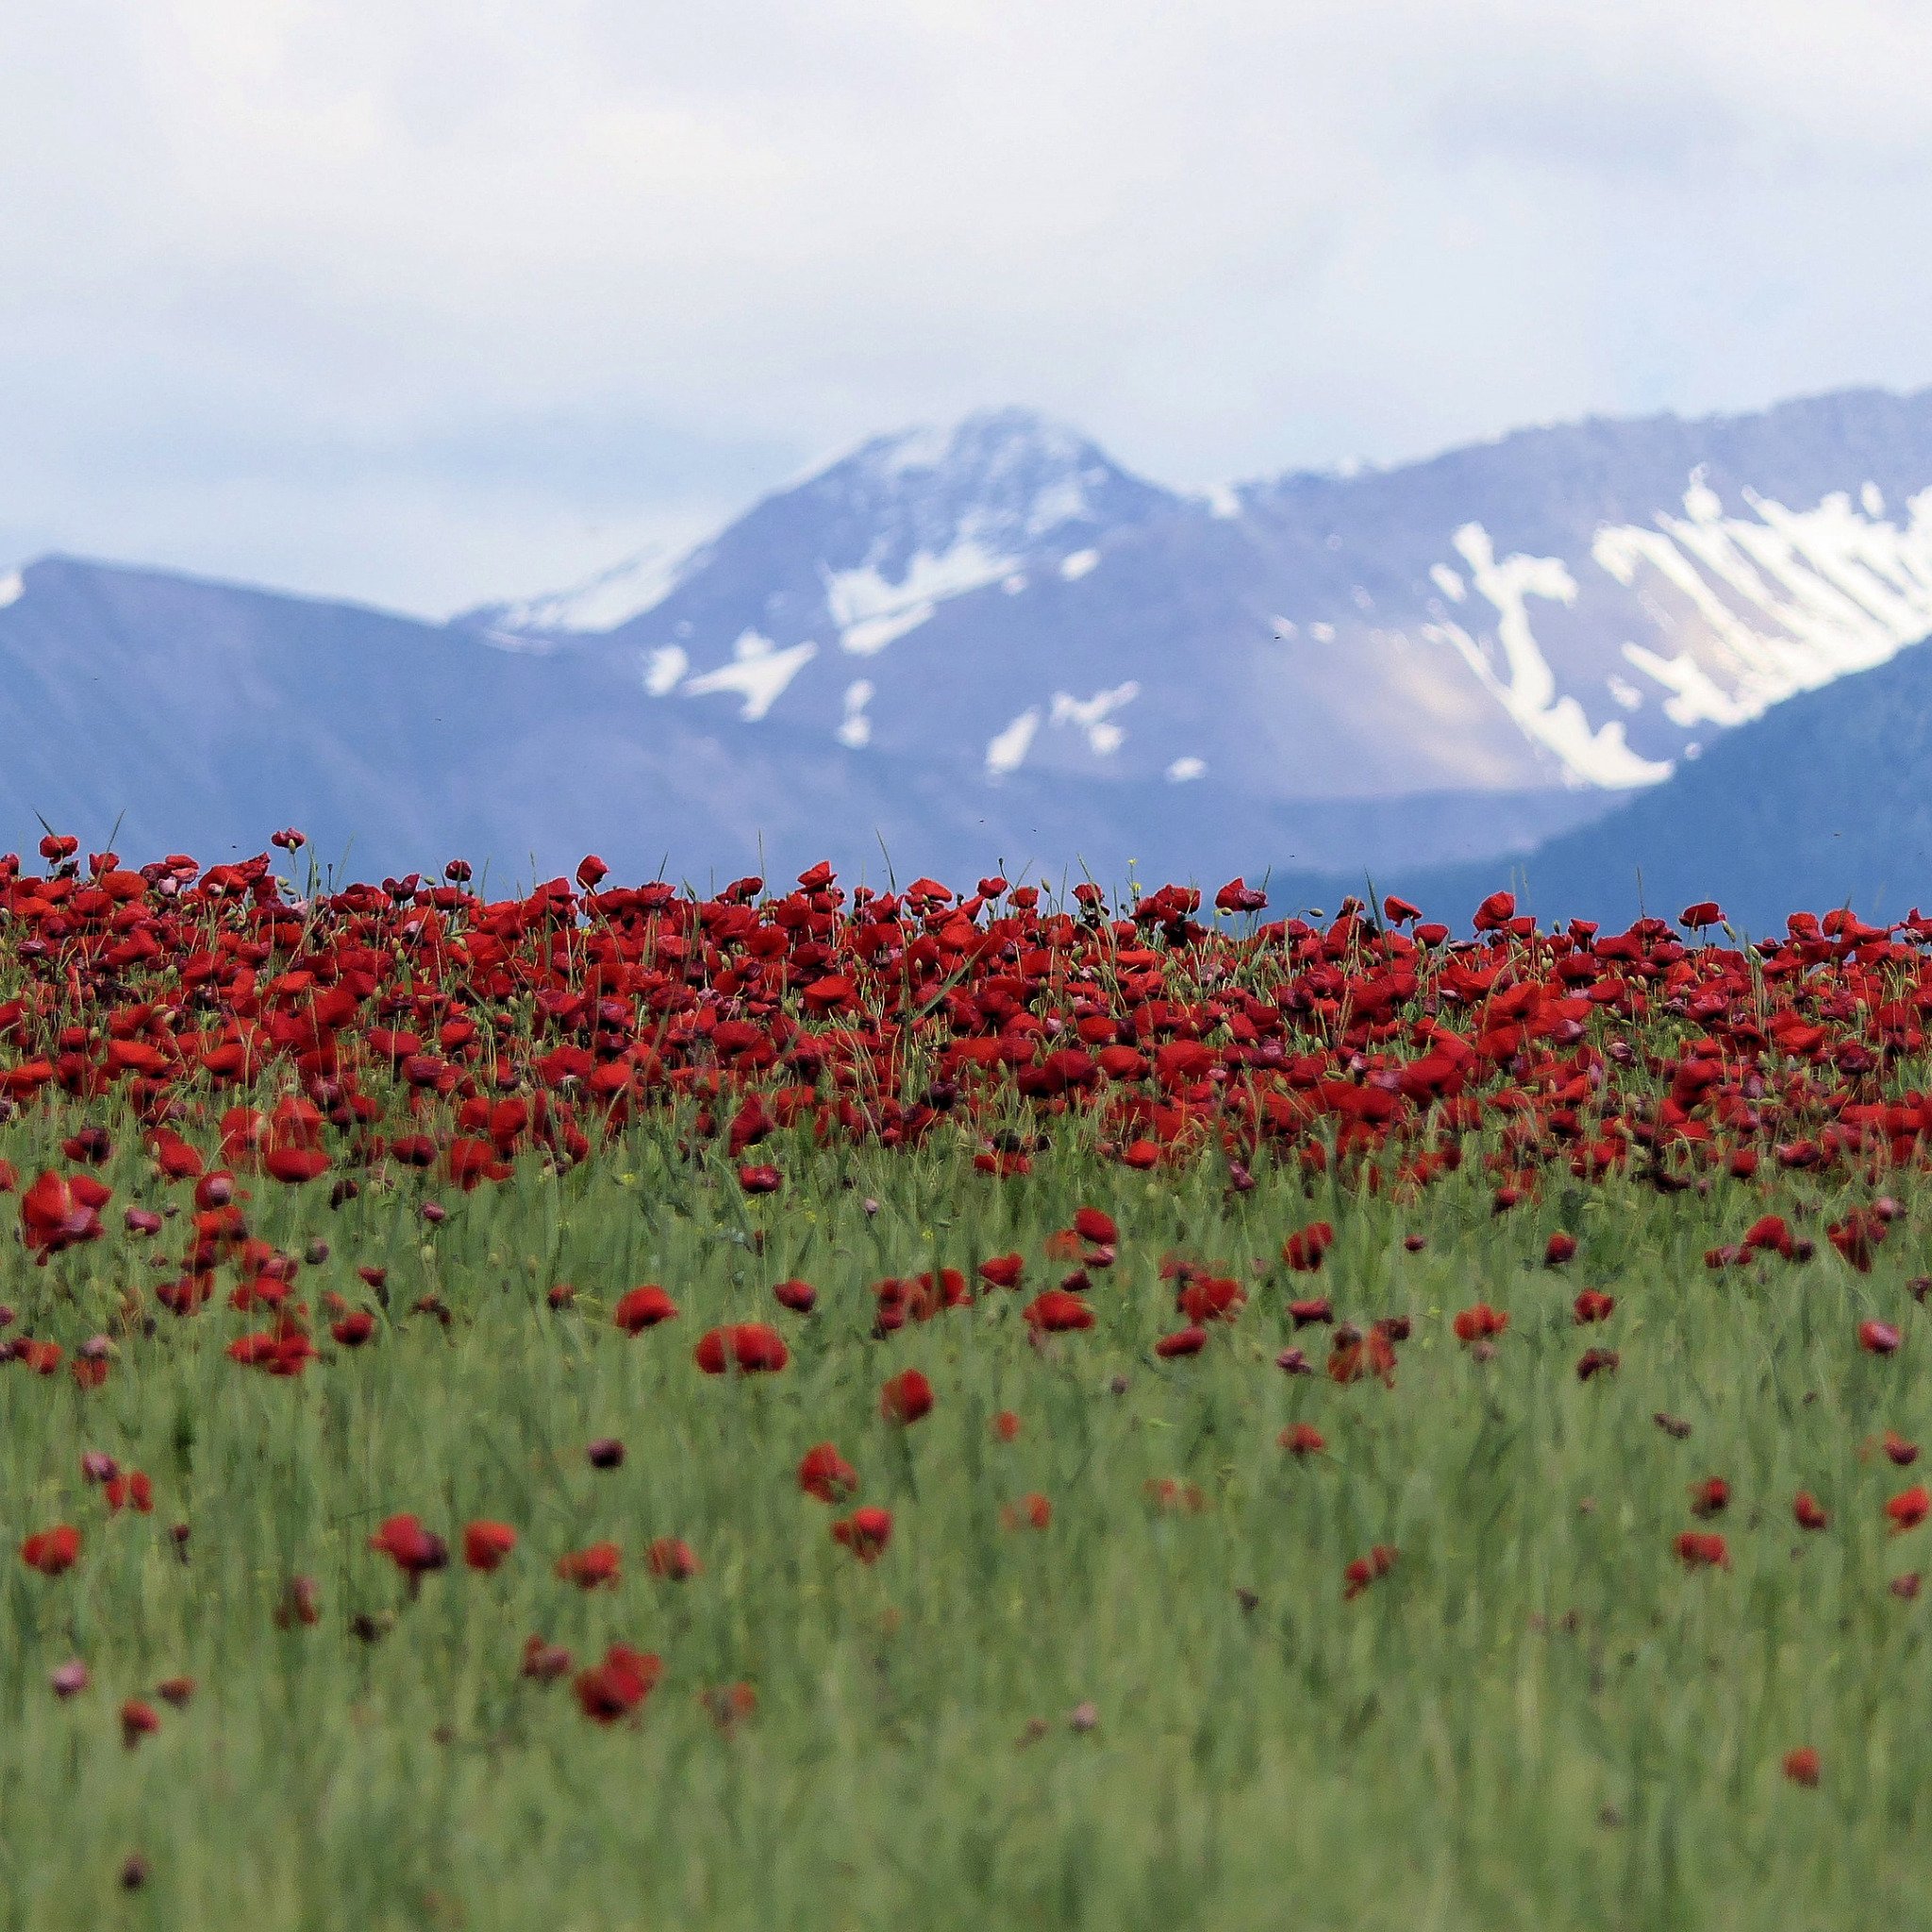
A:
x: 422, y: 301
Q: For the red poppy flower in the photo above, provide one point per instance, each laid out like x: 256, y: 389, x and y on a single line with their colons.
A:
x: 1703, y: 1549
x: 1054, y: 1312
x: 1365, y: 1570
x: 1909, y: 1508
x: 1597, y: 1362
x: 801, y: 1297
x: 52, y: 1552
x: 1033, y: 1509
x: 1807, y: 1512
x: 58, y: 1212
x: 1898, y: 1450
x: 671, y: 1558
x: 751, y: 1347
x: 760, y: 1180
x: 1006, y: 1426
x: 615, y: 1688
x: 1003, y: 1271
x: 1561, y: 1248
x: 1093, y: 1225
x: 825, y: 1474
x: 1310, y: 1310
x: 1479, y: 1322
x: 132, y: 1490
x: 353, y: 1328
x: 1212, y: 1298
x: 137, y: 1720
x: 412, y: 1549
x: 1303, y: 1439
x: 865, y: 1533
x: 642, y: 1307
x: 1594, y: 1305
x: 1878, y: 1338
x: 1802, y: 1766
x: 1183, y: 1341
x: 588, y: 1568
x: 486, y: 1543
x: 1303, y: 1251
x: 1709, y: 1497
x: 906, y: 1398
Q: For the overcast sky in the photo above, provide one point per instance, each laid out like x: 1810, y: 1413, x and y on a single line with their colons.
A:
x: 422, y: 301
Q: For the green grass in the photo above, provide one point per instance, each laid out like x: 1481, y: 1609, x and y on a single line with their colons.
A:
x: 1539, y: 1718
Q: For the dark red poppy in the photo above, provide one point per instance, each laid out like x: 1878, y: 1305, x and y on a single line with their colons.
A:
x: 412, y: 1549
x: 1303, y: 1250
x: 1593, y: 1305
x: 865, y: 1533
x: 588, y: 1568
x: 1364, y: 1570
x: 1003, y: 1271
x: 1054, y: 1312
x: 1807, y: 1512
x: 671, y: 1558
x: 751, y: 1347
x: 906, y: 1398
x: 617, y: 1686
x: 1183, y: 1341
x: 1703, y: 1549
x: 642, y: 1307
x: 801, y: 1297
x: 1803, y: 1766
x: 1303, y: 1439
x: 52, y: 1552
x: 825, y: 1474
x: 1909, y: 1508
x: 1479, y: 1322
x: 486, y: 1543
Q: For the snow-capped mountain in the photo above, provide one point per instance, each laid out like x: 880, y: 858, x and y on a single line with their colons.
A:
x: 993, y: 642
x: 1574, y: 607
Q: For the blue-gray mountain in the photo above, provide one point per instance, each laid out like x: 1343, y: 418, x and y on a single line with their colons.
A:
x: 1824, y: 801
x: 994, y: 644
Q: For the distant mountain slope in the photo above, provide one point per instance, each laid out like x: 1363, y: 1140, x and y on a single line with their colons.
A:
x: 993, y: 642
x: 1825, y: 801
x: 201, y: 716
x: 1570, y: 606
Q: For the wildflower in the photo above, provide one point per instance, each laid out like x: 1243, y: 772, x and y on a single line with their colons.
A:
x: 1561, y: 1248
x: 1878, y: 1338
x: 412, y: 1549
x: 1898, y: 1450
x: 671, y: 1558
x: 906, y: 1398
x: 1703, y: 1549
x: 52, y: 1552
x: 588, y: 1568
x: 1003, y: 1271
x: 486, y: 1543
x: 1710, y: 1496
x: 1032, y: 1508
x: 1364, y: 1570
x: 1802, y: 1766
x: 137, y: 1720
x: 865, y: 1533
x: 1303, y: 1250
x: 1303, y: 1439
x: 801, y: 1297
x: 825, y: 1474
x: 1807, y: 1512
x: 1593, y: 1305
x: 1057, y: 1312
x: 1909, y: 1507
x: 353, y: 1330
x: 751, y: 1347
x: 604, y: 1452
x: 616, y: 1686
x: 1183, y: 1341
x: 1479, y: 1322
x: 1006, y: 1426
x: 545, y: 1662
x: 642, y: 1307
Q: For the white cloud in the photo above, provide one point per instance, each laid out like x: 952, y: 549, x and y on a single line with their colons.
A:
x: 336, y: 291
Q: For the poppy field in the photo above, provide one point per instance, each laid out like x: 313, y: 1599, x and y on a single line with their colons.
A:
x: 834, y: 1408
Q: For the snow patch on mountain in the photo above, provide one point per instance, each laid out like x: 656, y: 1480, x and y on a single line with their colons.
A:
x: 854, y: 729
x: 12, y: 588
x: 870, y: 611
x: 1093, y: 716
x: 663, y: 668
x: 758, y: 673
x: 1523, y: 683
x: 1780, y: 602
x: 640, y: 583
x: 1006, y: 750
